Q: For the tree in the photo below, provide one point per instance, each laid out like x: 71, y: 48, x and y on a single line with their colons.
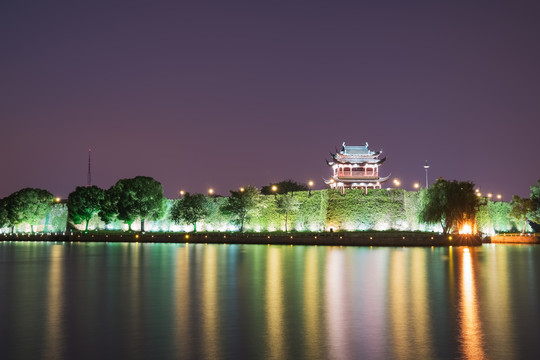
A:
x: 84, y: 203
x: 242, y: 205
x: 109, y: 204
x: 140, y: 197
x: 520, y: 209
x: 4, y: 219
x: 450, y: 203
x: 28, y: 205
x: 191, y: 209
x: 283, y: 187
x: 534, y: 214
x: 285, y: 205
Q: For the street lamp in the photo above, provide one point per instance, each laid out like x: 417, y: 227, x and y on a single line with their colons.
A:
x: 416, y: 185
x: 210, y: 191
x: 310, y: 185
x: 489, y: 195
x: 182, y: 193
x: 397, y: 182
x: 499, y: 196
x: 242, y: 189
x: 274, y: 190
x: 57, y: 199
x: 426, y: 166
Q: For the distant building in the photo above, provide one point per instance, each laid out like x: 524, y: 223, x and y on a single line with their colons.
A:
x: 356, y: 167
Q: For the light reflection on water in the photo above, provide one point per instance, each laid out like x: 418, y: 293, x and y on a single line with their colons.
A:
x: 184, y: 301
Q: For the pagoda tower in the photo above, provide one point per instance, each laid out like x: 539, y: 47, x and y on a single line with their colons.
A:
x: 356, y: 167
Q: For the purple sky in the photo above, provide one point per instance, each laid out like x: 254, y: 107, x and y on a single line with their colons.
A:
x: 225, y: 93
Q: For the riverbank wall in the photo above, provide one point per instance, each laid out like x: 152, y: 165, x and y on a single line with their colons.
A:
x: 514, y: 239
x: 325, y: 239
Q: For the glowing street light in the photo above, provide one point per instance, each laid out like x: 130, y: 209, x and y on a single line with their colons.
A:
x: 274, y: 190
x: 310, y: 185
x: 416, y: 185
x: 426, y: 166
x: 242, y: 189
x: 397, y: 182
x: 210, y: 191
x: 57, y: 199
x: 499, y: 196
x: 489, y: 195
x: 182, y: 193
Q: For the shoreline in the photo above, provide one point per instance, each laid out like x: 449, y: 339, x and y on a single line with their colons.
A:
x: 323, y: 239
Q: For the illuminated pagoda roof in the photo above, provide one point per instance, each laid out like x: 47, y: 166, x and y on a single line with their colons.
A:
x: 356, y: 155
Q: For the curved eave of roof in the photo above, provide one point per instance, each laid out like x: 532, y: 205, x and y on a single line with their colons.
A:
x: 348, y: 181
x: 371, y: 154
x: 359, y: 161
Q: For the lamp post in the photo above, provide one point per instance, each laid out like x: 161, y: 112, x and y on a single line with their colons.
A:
x: 274, y: 190
x: 242, y: 189
x: 397, y: 182
x: 310, y: 185
x: 181, y: 193
x: 426, y: 166
x: 416, y: 185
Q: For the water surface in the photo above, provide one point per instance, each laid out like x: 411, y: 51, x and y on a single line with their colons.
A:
x: 180, y: 301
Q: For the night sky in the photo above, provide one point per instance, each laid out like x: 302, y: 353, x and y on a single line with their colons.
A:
x: 222, y: 94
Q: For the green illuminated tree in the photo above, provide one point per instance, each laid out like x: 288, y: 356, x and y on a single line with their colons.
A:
x: 285, y: 205
x: 284, y: 187
x: 520, y: 209
x: 109, y: 204
x: 449, y: 203
x: 84, y: 203
x: 534, y: 214
x: 140, y: 197
x: 4, y: 219
x: 191, y: 209
x: 242, y: 205
x: 28, y: 205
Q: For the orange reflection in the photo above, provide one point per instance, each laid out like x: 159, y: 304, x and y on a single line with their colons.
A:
x: 472, y: 342
x: 419, y: 303
x: 274, y: 304
x: 53, y: 339
x: 410, y: 318
x: 312, y: 303
x: 182, y: 302
x: 336, y: 301
x: 210, y: 304
x: 398, y: 305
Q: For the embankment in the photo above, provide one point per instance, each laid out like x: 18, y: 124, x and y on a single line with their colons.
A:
x: 327, y: 239
x: 514, y: 239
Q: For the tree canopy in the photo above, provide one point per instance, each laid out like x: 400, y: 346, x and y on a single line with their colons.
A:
x: 84, y: 203
x: 283, y: 187
x: 139, y: 197
x: 520, y: 208
x: 450, y: 203
x: 242, y: 205
x: 191, y: 209
x: 285, y: 205
x: 28, y: 205
x: 534, y: 214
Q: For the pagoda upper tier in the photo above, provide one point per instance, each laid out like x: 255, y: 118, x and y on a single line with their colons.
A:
x: 356, y: 167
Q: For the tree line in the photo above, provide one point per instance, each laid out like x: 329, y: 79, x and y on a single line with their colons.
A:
x: 450, y: 204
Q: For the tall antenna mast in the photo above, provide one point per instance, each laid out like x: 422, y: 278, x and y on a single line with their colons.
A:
x: 89, y: 177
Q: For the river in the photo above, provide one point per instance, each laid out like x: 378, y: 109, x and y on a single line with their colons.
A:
x: 196, y: 301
